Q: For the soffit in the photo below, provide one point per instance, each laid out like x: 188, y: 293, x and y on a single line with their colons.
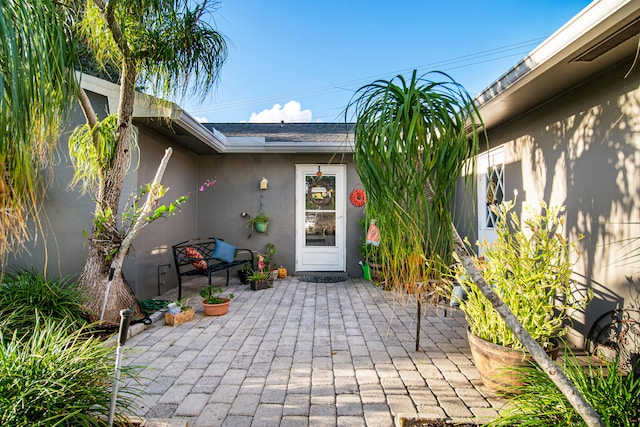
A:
x: 604, y: 34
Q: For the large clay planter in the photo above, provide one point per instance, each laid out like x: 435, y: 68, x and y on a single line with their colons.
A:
x: 216, y: 309
x: 495, y: 363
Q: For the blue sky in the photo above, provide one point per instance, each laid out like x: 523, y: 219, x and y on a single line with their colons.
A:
x: 301, y: 60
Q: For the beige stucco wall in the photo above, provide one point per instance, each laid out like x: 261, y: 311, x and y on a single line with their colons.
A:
x: 582, y: 150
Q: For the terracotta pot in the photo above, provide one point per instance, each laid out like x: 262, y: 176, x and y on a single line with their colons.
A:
x: 495, y: 363
x: 216, y: 309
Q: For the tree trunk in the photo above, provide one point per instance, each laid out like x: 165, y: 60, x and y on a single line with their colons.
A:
x: 94, y: 279
x: 95, y: 274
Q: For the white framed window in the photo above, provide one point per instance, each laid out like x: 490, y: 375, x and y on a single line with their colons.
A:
x: 491, y: 191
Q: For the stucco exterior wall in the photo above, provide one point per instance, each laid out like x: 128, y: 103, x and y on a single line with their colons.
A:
x: 581, y: 150
x: 154, y: 271
x: 237, y: 190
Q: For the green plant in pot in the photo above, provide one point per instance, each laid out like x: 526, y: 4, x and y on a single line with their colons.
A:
x: 263, y: 277
x: 268, y: 257
x: 213, y: 303
x: 260, y: 279
x: 259, y: 222
x: 529, y: 266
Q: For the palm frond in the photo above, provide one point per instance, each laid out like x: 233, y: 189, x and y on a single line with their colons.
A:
x: 37, y: 82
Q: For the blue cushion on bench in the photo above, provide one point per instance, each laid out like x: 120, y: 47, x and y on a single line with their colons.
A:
x: 224, y: 251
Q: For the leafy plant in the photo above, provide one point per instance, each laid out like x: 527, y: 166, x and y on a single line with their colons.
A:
x: 411, y: 147
x: 531, y: 272
x: 38, y: 57
x: 538, y: 402
x: 261, y: 217
x: 211, y: 295
x: 268, y: 257
x: 27, y: 295
x: 259, y: 275
x: 58, y: 375
x: 180, y: 303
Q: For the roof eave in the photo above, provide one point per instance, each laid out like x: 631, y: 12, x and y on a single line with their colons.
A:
x: 551, y: 62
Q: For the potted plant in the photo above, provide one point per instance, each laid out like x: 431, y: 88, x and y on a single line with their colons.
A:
x: 259, y: 222
x: 268, y: 258
x: 244, y: 274
x: 531, y: 272
x: 267, y: 271
x: 213, y: 303
x: 260, y: 280
x: 178, y: 313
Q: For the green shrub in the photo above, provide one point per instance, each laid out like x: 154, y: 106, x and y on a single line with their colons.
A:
x: 529, y: 266
x: 26, y: 294
x: 539, y: 402
x: 58, y: 376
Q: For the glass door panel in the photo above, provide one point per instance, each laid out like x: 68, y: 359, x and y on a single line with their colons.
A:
x: 320, y: 210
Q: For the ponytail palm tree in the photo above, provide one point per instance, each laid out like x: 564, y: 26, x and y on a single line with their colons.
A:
x: 411, y: 147
x: 167, y: 47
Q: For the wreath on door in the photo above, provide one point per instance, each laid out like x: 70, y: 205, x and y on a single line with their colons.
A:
x: 320, y: 192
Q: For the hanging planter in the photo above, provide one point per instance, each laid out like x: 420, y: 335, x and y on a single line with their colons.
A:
x: 260, y: 227
x: 358, y: 197
x: 259, y: 223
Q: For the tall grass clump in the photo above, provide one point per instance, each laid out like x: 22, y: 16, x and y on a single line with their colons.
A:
x: 538, y: 402
x: 25, y: 294
x: 58, y: 376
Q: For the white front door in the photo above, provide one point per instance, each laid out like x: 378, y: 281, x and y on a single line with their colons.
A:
x: 320, y: 217
x: 490, y: 192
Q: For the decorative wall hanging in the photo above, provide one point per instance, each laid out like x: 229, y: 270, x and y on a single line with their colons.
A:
x: 358, y: 198
x: 320, y: 192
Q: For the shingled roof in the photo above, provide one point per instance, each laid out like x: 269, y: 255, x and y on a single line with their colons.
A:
x: 288, y: 132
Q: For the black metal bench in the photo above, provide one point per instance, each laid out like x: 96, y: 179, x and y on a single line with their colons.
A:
x: 199, y: 257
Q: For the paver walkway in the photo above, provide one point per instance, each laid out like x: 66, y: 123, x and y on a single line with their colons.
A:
x: 307, y: 354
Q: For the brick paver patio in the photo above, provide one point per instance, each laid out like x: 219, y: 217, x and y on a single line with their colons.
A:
x: 307, y: 354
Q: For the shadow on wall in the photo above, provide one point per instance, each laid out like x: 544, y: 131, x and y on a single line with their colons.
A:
x: 585, y: 143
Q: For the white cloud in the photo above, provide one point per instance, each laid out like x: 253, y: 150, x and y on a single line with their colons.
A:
x: 202, y: 119
x: 290, y: 113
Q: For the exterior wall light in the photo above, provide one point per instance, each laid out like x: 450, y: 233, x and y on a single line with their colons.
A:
x: 264, y: 183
